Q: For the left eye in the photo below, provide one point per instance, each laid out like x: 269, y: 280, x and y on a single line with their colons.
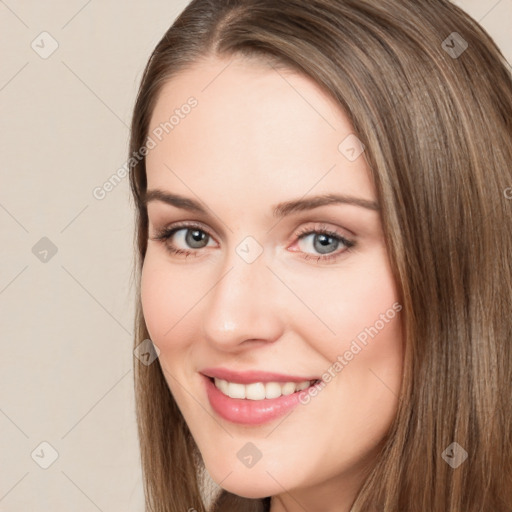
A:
x: 321, y: 242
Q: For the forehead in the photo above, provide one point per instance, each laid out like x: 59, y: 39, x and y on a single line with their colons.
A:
x: 253, y: 130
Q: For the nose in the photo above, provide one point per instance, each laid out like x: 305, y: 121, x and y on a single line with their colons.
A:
x: 243, y: 307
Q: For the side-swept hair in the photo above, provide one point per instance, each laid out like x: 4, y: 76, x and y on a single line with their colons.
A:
x: 435, y: 118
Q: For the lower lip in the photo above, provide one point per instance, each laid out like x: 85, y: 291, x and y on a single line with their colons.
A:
x: 249, y: 412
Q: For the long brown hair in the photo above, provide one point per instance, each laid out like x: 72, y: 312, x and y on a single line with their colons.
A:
x: 430, y: 96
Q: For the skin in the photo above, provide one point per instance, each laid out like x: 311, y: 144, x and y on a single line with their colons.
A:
x: 258, y: 137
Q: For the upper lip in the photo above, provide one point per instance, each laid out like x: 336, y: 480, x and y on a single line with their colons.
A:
x: 251, y: 376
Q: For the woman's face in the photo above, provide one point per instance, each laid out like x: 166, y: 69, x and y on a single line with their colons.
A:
x: 276, y: 284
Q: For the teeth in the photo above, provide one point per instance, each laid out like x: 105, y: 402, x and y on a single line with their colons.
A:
x: 236, y: 390
x: 259, y: 390
x: 302, y: 385
x: 254, y: 391
x: 272, y: 390
x: 288, y: 388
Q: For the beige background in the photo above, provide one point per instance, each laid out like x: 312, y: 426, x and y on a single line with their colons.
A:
x: 66, y: 324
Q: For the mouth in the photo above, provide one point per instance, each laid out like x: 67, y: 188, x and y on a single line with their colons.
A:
x: 254, y: 403
x: 260, y: 390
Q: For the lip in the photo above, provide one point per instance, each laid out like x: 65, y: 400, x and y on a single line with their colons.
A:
x: 250, y: 412
x: 249, y: 377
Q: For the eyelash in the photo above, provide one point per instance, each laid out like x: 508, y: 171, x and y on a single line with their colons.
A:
x: 166, y: 233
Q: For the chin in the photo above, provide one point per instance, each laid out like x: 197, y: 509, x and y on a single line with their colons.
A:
x: 245, y: 483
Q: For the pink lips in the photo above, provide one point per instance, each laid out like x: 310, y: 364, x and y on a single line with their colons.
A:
x: 251, y: 376
x: 244, y: 411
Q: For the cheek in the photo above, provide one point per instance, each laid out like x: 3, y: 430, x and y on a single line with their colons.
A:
x: 356, y: 301
x: 152, y: 297
x: 372, y: 360
x: 172, y: 303
x: 162, y: 299
x: 372, y: 310
x: 366, y: 316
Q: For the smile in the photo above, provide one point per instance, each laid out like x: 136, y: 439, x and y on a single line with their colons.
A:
x: 261, y: 397
x: 260, y: 390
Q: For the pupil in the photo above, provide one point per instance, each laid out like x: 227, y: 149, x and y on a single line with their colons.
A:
x: 325, y: 241
x: 195, y: 237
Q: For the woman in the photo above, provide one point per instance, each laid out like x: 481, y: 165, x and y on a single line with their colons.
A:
x: 371, y: 375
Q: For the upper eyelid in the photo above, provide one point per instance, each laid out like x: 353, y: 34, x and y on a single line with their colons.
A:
x: 179, y: 225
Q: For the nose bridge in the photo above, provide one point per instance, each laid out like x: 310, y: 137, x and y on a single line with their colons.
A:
x: 242, y: 303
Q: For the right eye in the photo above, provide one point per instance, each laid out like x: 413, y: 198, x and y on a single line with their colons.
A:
x: 191, y: 237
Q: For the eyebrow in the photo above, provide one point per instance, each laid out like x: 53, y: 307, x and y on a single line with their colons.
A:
x: 279, y: 210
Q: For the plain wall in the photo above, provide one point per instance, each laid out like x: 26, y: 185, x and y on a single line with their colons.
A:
x: 67, y: 318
